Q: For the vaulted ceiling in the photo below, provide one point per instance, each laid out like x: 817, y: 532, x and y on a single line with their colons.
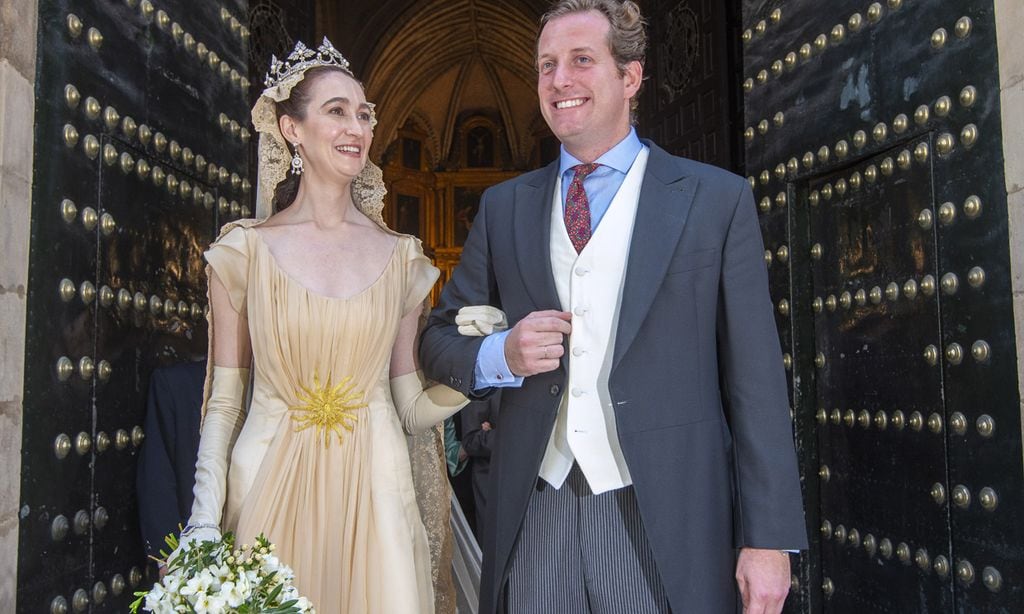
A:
x: 431, y: 60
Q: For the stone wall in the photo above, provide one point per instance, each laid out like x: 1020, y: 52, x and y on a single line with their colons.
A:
x: 1009, y: 20
x: 17, y: 101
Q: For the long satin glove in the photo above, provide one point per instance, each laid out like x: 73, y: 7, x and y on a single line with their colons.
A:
x: 223, y: 421
x: 420, y: 408
x: 480, y: 320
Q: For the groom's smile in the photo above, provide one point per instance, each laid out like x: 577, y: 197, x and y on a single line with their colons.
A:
x: 572, y: 103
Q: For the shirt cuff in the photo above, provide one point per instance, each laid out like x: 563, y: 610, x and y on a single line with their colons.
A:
x: 491, y: 368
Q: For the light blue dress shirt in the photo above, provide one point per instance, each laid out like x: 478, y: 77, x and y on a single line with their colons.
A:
x: 601, y: 186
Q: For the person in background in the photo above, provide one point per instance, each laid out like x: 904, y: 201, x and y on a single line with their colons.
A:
x: 478, y: 420
x: 455, y: 455
x: 167, y: 460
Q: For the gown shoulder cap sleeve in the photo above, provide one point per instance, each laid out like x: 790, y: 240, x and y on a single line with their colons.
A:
x: 420, y: 274
x: 229, y: 258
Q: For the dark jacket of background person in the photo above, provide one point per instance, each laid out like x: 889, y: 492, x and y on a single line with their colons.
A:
x: 167, y: 460
x: 478, y: 444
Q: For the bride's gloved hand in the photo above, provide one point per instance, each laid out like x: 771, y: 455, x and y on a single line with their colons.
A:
x: 192, y: 535
x: 480, y: 320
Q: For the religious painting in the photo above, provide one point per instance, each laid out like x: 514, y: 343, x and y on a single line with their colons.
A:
x: 467, y: 203
x: 407, y: 218
x: 480, y: 147
x: 412, y: 152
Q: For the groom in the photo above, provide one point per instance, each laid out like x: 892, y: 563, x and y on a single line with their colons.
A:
x: 645, y: 458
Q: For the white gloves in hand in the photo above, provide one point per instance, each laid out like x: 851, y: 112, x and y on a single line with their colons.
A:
x: 480, y: 320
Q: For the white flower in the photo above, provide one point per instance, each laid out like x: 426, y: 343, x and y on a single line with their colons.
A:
x: 222, y: 571
x: 172, y: 582
x: 155, y: 594
x: 270, y: 564
x: 304, y: 605
x: 198, y: 584
x: 231, y: 594
x: 244, y: 587
x: 210, y: 604
x: 159, y: 601
x: 251, y: 575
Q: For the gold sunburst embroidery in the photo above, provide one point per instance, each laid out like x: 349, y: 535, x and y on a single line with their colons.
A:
x: 327, y: 408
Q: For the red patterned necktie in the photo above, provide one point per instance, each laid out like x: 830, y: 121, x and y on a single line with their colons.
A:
x: 577, y: 207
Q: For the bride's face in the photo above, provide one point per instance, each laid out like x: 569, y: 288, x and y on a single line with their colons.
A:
x: 335, y: 134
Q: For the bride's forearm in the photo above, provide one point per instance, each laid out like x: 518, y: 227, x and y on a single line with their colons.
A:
x: 221, y: 425
x: 420, y: 407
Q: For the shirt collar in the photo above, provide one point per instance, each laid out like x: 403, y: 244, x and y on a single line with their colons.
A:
x: 620, y: 157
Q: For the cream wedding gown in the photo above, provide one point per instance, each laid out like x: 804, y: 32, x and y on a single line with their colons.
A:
x: 321, y: 465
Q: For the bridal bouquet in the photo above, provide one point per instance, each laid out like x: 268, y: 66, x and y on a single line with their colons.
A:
x: 214, y: 577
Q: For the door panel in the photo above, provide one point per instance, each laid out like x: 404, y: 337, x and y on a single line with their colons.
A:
x: 882, y: 452
x: 872, y: 142
x: 140, y: 154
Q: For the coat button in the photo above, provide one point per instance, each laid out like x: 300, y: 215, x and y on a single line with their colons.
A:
x: 555, y: 390
x: 579, y: 311
x: 578, y: 351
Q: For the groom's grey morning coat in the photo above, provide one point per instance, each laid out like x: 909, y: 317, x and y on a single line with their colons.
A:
x: 697, y: 380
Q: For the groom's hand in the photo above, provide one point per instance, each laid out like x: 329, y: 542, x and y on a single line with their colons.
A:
x: 534, y: 345
x: 763, y: 579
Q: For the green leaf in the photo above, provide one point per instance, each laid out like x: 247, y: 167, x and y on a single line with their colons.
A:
x: 274, y: 593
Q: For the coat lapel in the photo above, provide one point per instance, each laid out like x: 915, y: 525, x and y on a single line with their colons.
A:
x: 532, y: 229
x: 666, y: 198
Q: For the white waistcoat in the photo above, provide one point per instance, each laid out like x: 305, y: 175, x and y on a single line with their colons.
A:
x: 590, y: 286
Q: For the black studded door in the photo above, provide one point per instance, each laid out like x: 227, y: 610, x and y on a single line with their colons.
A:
x: 689, y: 103
x: 141, y: 151
x: 873, y: 145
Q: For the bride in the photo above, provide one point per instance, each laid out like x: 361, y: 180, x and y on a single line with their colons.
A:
x: 322, y: 302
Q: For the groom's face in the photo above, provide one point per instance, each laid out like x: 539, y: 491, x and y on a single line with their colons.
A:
x: 584, y: 96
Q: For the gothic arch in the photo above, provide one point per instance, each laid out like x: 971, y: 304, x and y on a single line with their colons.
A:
x: 433, y: 38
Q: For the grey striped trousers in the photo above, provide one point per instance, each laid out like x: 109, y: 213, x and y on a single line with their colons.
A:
x: 581, y: 553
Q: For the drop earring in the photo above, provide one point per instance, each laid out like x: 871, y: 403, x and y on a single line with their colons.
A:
x: 296, y: 162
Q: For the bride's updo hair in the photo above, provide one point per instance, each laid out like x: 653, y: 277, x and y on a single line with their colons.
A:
x: 295, y: 106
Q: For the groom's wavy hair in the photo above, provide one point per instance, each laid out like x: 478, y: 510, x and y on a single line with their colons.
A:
x: 627, y: 36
